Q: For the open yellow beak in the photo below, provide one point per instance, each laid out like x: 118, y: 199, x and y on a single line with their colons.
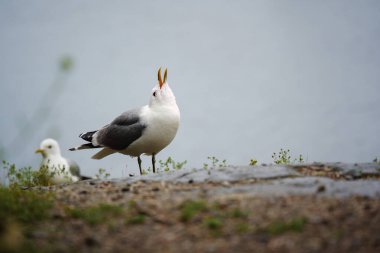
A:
x: 160, y: 78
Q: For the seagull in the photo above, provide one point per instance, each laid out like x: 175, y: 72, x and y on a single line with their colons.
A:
x: 62, y: 170
x: 145, y: 130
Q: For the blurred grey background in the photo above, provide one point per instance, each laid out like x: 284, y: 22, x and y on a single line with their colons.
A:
x: 250, y: 77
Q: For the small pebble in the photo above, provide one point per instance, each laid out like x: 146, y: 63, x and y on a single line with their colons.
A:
x: 321, y: 188
x: 91, y: 241
x: 125, y: 189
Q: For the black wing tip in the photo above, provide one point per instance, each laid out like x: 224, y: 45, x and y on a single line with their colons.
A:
x: 87, y: 136
x: 72, y: 149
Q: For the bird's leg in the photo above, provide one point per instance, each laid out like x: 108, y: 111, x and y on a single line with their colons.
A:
x: 139, y: 161
x: 154, y: 162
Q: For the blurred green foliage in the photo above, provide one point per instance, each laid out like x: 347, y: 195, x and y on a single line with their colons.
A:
x: 27, y: 177
x: 190, y: 208
x: 279, y: 227
x: 96, y: 214
x: 213, y: 223
x: 29, y: 126
x: 66, y: 63
x: 26, y: 206
x: 20, y: 211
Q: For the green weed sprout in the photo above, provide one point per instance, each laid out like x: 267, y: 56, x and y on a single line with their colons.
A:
x: 283, y: 157
x: 253, y: 162
x: 169, y: 163
x: 215, y: 163
x: 102, y: 174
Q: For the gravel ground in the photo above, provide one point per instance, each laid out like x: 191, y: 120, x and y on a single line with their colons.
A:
x: 305, y: 208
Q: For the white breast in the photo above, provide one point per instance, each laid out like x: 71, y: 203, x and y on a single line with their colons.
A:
x: 161, y: 127
x: 61, y: 169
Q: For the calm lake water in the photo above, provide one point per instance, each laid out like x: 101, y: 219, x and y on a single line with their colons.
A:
x: 250, y: 77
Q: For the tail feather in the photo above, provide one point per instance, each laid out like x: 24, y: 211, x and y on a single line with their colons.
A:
x: 87, y: 136
x: 84, y: 146
x: 103, y: 153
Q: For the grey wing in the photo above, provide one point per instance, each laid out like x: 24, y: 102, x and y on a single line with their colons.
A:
x: 74, y: 168
x: 123, y: 131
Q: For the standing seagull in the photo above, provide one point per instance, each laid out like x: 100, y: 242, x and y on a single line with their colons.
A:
x: 62, y: 170
x: 145, y: 130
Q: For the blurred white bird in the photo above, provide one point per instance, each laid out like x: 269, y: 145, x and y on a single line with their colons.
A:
x: 62, y: 170
x: 145, y: 130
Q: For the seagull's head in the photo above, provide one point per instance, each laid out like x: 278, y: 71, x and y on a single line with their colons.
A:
x: 49, y: 147
x: 161, y: 93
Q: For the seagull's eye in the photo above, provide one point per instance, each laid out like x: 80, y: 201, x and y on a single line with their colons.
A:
x: 154, y: 93
x: 49, y: 146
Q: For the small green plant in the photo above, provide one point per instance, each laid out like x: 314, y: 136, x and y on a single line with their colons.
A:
x: 191, y: 208
x: 96, y: 214
x: 300, y: 159
x: 27, y: 177
x: 134, y: 214
x: 102, y: 174
x: 215, y: 163
x: 146, y: 171
x: 214, y: 216
x: 280, y: 227
x: 136, y: 219
x: 242, y: 228
x: 283, y: 157
x: 238, y: 213
x: 22, y: 177
x: 169, y: 163
x: 253, y: 162
x: 213, y: 223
